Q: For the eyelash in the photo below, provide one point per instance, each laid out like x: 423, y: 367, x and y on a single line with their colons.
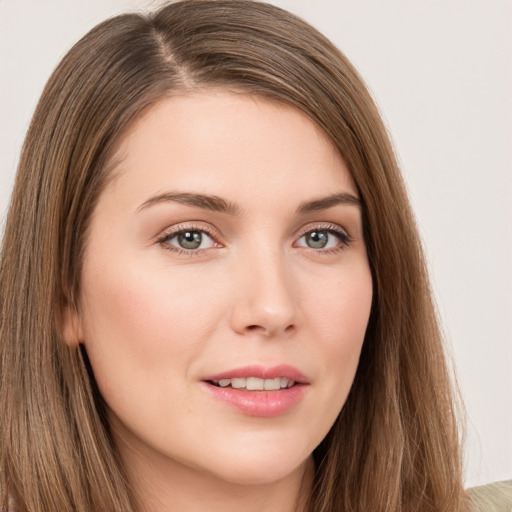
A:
x: 168, y: 235
x: 343, y: 237
x: 333, y: 229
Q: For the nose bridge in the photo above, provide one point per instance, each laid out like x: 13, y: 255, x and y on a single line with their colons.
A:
x: 266, y: 301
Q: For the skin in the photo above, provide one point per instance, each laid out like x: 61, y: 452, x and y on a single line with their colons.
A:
x: 156, y: 319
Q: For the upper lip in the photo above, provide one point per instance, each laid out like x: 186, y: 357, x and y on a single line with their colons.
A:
x: 261, y: 372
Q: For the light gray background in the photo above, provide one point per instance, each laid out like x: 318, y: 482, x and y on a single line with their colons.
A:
x: 441, y: 72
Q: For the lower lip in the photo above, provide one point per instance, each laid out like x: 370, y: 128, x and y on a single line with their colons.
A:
x: 265, y: 404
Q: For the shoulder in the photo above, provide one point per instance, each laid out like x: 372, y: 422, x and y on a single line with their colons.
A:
x: 495, y: 497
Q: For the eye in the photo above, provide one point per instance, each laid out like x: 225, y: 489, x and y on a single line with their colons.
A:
x: 188, y: 240
x: 324, y: 239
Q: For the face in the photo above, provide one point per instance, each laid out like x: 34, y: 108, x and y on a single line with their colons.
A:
x: 225, y: 289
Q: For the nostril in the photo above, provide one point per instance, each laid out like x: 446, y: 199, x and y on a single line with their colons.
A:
x: 269, y: 332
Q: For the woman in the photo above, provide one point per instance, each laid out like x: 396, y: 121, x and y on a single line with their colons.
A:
x: 222, y: 285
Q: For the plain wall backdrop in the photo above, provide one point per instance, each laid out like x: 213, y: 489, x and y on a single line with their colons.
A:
x: 441, y: 73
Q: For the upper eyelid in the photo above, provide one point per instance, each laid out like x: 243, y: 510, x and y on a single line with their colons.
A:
x: 164, y: 237
x: 326, y: 226
x: 188, y: 226
x: 214, y: 233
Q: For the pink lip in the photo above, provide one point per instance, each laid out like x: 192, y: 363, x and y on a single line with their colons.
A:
x: 265, y: 404
x: 262, y: 372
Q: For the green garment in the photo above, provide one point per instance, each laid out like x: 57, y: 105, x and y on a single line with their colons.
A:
x: 495, y: 497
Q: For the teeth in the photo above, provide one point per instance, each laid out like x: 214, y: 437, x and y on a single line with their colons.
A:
x: 256, y: 384
x: 272, y: 384
x: 238, y: 383
x: 252, y: 383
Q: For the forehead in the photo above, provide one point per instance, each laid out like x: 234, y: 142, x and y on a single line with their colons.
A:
x: 228, y: 144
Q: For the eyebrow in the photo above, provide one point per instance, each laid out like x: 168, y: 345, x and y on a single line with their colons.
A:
x: 213, y: 203
x: 217, y: 204
x: 328, y: 202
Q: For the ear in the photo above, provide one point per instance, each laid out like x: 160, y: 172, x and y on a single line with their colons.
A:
x: 71, y: 326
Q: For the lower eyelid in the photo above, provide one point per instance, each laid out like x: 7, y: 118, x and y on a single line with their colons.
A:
x: 164, y: 238
x: 203, y: 233
x: 340, y: 233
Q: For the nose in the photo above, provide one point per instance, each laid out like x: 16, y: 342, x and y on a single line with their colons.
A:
x: 266, y: 299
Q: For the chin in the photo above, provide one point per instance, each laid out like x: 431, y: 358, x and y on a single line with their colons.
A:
x: 260, y: 474
x: 258, y: 467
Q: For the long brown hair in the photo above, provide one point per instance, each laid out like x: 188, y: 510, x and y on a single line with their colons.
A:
x: 394, y: 447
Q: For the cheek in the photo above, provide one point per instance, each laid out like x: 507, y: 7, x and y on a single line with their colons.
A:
x: 340, y: 309
x: 147, y: 305
x: 339, y: 317
x: 143, y: 324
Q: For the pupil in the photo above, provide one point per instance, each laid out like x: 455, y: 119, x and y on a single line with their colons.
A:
x: 317, y: 239
x: 190, y: 239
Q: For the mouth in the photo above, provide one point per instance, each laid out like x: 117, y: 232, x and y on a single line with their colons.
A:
x: 254, y: 383
x: 259, y: 391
